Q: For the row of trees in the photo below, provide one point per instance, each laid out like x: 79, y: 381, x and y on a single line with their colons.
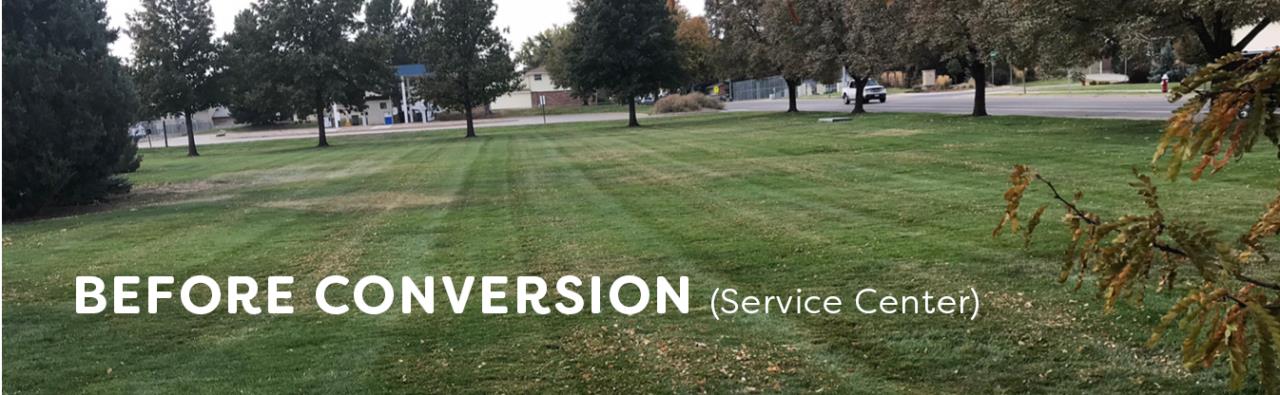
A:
x: 290, y: 58
x: 815, y: 39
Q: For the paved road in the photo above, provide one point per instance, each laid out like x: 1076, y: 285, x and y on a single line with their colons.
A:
x: 310, y: 133
x: 999, y: 102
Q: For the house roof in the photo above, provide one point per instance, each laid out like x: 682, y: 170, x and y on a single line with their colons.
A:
x: 536, y: 70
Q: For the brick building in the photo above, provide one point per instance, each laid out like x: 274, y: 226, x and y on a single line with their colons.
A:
x: 537, y: 84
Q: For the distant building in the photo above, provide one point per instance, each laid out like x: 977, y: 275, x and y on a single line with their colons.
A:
x: 1267, y: 39
x: 176, y: 125
x: 379, y: 110
x: 538, y: 86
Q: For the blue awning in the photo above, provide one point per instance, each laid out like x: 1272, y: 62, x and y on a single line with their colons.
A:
x: 411, y: 70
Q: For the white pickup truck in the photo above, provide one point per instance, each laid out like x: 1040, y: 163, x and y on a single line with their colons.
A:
x: 873, y: 91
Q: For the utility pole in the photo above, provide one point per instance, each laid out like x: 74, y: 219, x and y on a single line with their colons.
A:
x: 404, y: 100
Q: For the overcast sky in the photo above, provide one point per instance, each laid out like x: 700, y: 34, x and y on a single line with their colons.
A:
x: 525, y: 18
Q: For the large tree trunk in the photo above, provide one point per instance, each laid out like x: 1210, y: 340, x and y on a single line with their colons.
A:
x: 191, y: 136
x: 631, y: 108
x: 791, y: 95
x: 320, y: 122
x: 979, y: 73
x: 1217, y: 36
x: 471, y: 127
x: 859, y: 85
x: 165, y: 128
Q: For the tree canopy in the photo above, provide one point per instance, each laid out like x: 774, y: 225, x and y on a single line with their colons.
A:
x: 868, y: 47
x: 383, y: 38
x: 968, y: 31
x: 256, y: 92
x: 176, y: 60
x: 536, y: 51
x: 313, y: 40
x: 790, y: 39
x: 696, y: 47
x: 625, y: 47
x: 469, y: 60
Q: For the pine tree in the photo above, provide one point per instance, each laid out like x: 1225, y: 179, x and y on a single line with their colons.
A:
x: 469, y: 60
x: 67, y: 106
x: 625, y: 47
x: 175, y: 59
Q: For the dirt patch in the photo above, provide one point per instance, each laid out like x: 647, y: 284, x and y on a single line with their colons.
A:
x: 180, y: 188
x: 201, y: 199
x: 141, y: 196
x: 890, y: 133
x: 299, y: 173
x: 377, y: 201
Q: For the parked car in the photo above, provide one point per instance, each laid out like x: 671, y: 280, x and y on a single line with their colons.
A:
x: 873, y: 91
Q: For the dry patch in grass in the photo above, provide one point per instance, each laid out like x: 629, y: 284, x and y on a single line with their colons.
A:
x: 376, y: 201
x: 201, y: 199
x: 300, y: 173
x: 890, y: 133
x: 672, y: 178
x: 169, y: 194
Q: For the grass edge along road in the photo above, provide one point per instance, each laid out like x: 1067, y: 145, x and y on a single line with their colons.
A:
x: 766, y: 203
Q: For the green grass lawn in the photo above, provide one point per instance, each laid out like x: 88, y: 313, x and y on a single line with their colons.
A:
x: 1068, y: 87
x: 762, y: 202
x: 565, y: 110
x: 260, y: 128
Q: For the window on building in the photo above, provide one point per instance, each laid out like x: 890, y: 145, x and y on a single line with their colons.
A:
x: 537, y: 77
x: 382, y: 105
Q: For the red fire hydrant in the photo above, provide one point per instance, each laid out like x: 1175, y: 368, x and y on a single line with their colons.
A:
x: 1164, y: 83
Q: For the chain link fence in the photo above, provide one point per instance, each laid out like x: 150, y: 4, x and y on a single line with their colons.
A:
x: 768, y: 88
x: 175, y: 127
x: 776, y: 88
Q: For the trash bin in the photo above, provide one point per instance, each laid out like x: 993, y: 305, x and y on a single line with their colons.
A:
x: 389, y: 119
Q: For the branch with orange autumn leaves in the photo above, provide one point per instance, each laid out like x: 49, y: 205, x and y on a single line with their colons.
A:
x: 1233, y: 105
